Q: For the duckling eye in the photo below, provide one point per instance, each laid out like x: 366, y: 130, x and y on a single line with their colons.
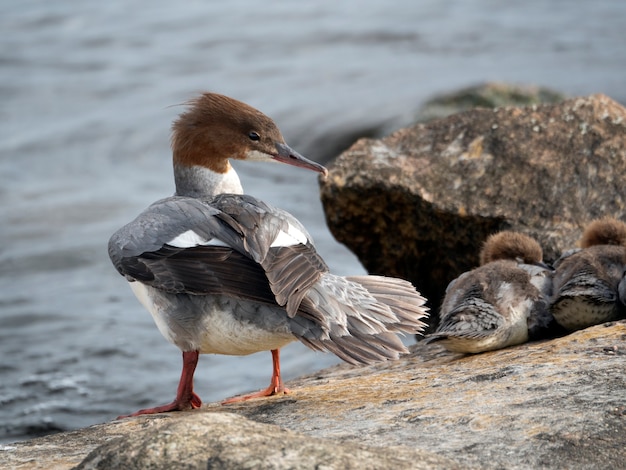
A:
x: 254, y: 136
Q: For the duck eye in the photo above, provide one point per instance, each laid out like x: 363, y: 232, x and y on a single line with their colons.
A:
x: 254, y: 136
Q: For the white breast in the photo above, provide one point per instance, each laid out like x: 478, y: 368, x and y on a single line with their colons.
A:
x: 213, y: 329
x: 226, y: 335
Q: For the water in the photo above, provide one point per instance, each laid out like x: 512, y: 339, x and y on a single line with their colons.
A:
x: 86, y: 90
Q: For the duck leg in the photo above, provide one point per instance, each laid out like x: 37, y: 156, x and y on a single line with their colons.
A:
x: 276, y: 383
x: 185, y: 399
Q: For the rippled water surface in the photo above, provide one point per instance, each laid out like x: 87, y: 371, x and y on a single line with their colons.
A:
x: 86, y: 95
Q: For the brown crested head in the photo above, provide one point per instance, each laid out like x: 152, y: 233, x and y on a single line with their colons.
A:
x: 605, y: 231
x: 509, y: 245
x: 215, y: 128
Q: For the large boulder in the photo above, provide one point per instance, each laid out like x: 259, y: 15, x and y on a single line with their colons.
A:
x: 419, y: 203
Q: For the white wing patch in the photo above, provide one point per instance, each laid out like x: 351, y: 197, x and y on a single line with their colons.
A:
x: 189, y: 239
x: 291, y: 237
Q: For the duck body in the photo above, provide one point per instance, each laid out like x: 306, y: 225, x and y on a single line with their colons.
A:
x: 233, y: 275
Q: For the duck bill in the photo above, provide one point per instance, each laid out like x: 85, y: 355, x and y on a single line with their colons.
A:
x: 286, y: 154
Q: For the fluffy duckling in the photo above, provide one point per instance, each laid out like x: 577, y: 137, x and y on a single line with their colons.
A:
x: 501, y: 303
x: 590, y: 283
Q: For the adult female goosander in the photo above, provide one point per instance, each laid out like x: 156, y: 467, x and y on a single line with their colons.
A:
x: 225, y: 273
x: 501, y: 303
x: 590, y: 283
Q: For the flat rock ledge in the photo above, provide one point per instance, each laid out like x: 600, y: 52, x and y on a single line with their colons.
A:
x: 557, y: 403
x: 419, y: 203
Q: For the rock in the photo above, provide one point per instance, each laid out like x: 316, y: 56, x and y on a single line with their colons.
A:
x: 230, y: 441
x: 331, y: 137
x: 552, y: 404
x: 207, y: 438
x: 419, y: 203
x: 486, y: 95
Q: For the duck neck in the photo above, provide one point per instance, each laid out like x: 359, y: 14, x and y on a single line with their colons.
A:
x: 198, y: 181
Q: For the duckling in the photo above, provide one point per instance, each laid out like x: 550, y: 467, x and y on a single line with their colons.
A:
x: 590, y: 282
x: 503, y: 302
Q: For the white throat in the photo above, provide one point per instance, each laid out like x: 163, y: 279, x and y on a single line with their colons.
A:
x: 199, y: 181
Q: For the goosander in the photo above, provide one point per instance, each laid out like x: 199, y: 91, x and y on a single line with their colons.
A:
x: 224, y: 273
x: 590, y: 283
x: 501, y: 303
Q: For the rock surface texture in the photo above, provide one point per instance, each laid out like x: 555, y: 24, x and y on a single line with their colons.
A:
x: 552, y: 404
x: 230, y: 441
x: 419, y: 203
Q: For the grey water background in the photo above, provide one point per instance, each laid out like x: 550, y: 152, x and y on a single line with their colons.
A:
x: 86, y: 95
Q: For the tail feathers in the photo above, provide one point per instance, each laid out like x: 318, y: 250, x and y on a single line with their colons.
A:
x: 361, y: 349
x: 401, y: 297
x: 358, y: 318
